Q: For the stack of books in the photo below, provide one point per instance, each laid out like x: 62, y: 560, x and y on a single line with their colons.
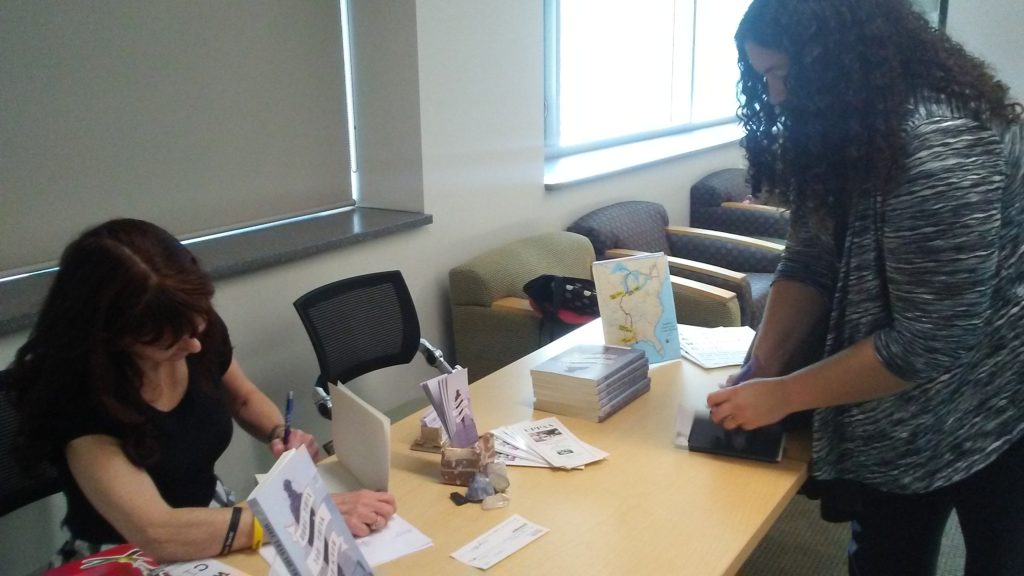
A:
x: 590, y: 381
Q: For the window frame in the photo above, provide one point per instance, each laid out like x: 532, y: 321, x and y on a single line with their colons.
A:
x: 552, y: 68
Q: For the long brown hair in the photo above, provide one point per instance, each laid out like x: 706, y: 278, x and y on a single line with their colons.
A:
x: 122, y: 282
x: 855, y: 68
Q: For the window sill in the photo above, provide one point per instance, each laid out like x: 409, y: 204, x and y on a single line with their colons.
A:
x: 245, y: 251
x: 578, y: 168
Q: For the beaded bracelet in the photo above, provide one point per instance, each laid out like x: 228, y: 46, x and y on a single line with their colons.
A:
x: 229, y: 537
x: 276, y: 432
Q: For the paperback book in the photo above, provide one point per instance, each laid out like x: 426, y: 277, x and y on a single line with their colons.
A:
x: 594, y: 396
x: 302, y: 521
x: 599, y: 412
x: 587, y: 366
x: 637, y: 306
x: 764, y: 444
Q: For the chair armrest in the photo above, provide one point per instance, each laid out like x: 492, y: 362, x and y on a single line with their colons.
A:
x: 700, y: 304
x: 731, y: 251
x: 736, y: 239
x: 514, y: 305
x: 684, y: 265
x: 692, y: 287
x: 774, y: 210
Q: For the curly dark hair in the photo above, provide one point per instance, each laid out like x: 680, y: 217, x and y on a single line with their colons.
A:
x: 855, y: 68
x: 122, y: 282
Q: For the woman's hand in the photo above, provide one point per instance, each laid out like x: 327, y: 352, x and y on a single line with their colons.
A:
x: 296, y: 439
x: 365, y: 511
x: 751, y: 404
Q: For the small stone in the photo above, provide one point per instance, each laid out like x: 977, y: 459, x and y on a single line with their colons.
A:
x: 458, y: 499
x: 498, y: 475
x: 495, y: 501
x: 479, y: 488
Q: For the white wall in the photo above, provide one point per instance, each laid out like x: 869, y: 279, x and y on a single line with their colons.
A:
x: 994, y: 31
x: 481, y: 104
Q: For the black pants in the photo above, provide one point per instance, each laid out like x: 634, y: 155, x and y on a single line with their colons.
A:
x: 901, y: 534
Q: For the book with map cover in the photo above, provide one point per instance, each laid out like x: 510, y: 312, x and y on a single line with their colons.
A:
x: 634, y: 295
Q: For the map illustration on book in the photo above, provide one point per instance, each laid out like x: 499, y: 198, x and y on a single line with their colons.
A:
x: 302, y: 521
x: 634, y: 295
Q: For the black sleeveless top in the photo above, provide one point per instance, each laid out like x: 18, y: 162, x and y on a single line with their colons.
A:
x: 189, y: 438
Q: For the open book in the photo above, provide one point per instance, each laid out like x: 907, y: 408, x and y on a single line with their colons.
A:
x: 305, y: 527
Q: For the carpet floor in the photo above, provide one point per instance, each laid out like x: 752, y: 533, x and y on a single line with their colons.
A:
x: 802, y: 544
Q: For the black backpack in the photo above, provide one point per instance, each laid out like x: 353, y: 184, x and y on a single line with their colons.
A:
x: 563, y: 302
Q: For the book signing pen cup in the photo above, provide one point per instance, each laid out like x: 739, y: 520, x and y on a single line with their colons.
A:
x: 288, y: 418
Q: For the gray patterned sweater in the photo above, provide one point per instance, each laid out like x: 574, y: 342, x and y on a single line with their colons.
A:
x: 935, y: 273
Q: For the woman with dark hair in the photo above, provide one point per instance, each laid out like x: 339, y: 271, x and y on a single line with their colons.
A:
x: 900, y: 157
x: 128, y: 385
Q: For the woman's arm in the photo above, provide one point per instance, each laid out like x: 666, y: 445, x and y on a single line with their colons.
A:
x: 125, y: 496
x: 791, y: 332
x: 259, y: 416
x: 853, y: 375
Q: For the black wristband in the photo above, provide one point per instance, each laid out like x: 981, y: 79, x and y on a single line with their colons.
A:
x: 229, y: 537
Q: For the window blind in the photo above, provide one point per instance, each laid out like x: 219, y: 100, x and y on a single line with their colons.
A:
x: 199, y: 116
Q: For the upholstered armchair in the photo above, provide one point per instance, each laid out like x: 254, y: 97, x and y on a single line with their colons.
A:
x: 720, y: 201
x: 493, y: 322
x: 738, y: 264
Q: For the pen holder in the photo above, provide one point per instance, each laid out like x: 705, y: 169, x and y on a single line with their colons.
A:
x: 430, y: 440
x: 459, y: 465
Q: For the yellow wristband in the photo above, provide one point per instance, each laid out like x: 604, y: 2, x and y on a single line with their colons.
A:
x: 257, y: 533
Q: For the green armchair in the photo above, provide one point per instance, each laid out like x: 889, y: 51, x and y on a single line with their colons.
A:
x: 491, y: 317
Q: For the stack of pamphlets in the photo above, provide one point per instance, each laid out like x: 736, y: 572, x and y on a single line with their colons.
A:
x: 449, y: 395
x: 543, y: 443
x: 715, y: 347
x: 590, y: 381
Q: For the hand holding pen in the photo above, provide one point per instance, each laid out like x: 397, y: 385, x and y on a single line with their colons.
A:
x: 292, y: 437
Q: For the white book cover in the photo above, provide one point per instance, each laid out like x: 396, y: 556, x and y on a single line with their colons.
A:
x: 638, y: 310
x: 302, y: 521
x: 362, y: 439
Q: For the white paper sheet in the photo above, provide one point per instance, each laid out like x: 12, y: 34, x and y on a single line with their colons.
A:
x: 499, y: 542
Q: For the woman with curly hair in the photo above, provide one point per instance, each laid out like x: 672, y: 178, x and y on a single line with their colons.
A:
x: 128, y: 385
x: 901, y: 159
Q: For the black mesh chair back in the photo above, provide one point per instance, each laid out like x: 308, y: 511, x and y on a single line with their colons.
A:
x: 360, y: 324
x: 19, y: 487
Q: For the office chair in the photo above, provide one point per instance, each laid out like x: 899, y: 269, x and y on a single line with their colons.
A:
x: 19, y: 487
x: 361, y: 324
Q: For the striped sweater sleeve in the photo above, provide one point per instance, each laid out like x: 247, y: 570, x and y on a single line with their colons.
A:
x: 941, y: 243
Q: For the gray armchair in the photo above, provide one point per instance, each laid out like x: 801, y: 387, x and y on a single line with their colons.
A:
x: 741, y: 265
x: 720, y: 201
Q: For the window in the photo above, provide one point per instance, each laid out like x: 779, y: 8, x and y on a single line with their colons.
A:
x: 621, y: 72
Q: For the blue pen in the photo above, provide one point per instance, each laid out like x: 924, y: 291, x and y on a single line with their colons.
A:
x: 745, y: 372
x: 288, y: 418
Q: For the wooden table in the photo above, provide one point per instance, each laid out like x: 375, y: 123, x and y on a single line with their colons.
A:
x: 650, y: 508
